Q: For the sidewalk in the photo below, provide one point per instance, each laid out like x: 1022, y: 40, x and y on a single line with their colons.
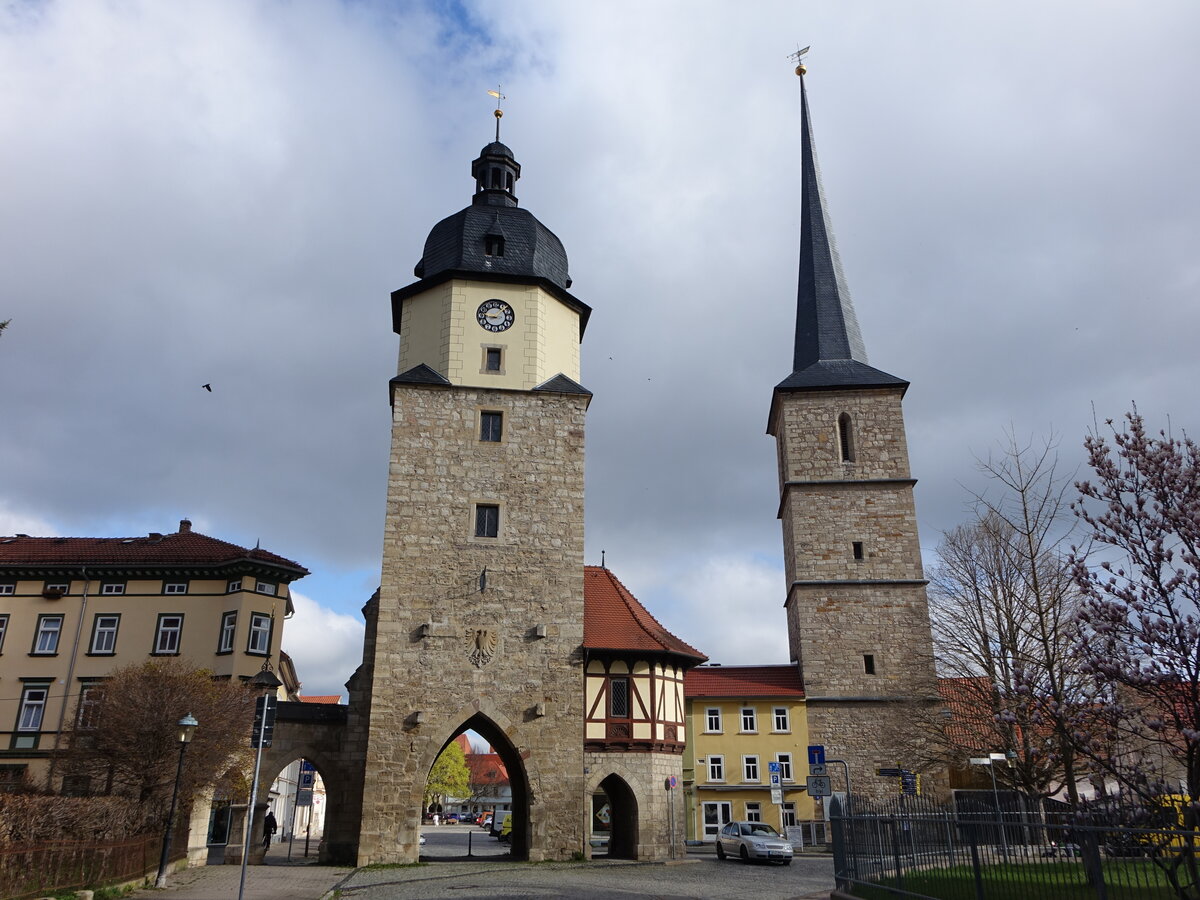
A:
x: 279, y: 879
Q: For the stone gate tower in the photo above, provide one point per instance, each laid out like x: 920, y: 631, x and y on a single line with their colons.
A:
x: 858, y: 618
x: 479, y: 618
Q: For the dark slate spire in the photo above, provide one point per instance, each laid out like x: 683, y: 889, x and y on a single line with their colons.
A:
x: 829, y: 350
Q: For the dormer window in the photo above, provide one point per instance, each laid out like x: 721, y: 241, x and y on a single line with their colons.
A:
x: 493, y: 245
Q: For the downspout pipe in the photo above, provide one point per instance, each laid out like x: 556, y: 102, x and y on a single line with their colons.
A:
x: 67, y: 690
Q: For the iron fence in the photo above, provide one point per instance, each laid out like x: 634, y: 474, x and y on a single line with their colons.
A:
x: 914, y: 849
x: 32, y: 870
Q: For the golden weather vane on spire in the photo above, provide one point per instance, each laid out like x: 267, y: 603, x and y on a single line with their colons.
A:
x: 499, y: 113
x: 798, y: 56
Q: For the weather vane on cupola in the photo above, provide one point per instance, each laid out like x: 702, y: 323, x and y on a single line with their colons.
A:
x: 798, y: 56
x: 499, y: 113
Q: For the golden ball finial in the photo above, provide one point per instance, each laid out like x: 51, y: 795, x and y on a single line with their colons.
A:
x: 499, y: 113
x: 801, y: 69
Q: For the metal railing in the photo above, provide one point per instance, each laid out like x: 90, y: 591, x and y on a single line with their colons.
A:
x: 915, y: 849
x: 32, y: 870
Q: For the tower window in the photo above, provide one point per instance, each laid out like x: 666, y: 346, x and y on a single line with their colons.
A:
x: 493, y: 245
x: 495, y: 178
x: 869, y: 663
x: 491, y: 426
x: 846, y: 437
x: 618, y: 698
x: 491, y: 359
x: 858, y: 549
x: 487, y: 520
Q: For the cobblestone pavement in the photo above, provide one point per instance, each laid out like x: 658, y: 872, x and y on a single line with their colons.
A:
x: 700, y: 875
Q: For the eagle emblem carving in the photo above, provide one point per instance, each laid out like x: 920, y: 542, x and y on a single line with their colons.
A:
x: 481, y: 645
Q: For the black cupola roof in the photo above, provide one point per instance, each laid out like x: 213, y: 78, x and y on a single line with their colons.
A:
x: 829, y: 351
x: 493, y: 235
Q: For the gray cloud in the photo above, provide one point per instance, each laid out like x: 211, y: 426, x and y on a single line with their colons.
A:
x: 226, y: 193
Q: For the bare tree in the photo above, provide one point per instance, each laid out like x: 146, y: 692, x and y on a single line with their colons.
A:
x: 1003, y: 610
x: 1140, y: 614
x: 124, y: 742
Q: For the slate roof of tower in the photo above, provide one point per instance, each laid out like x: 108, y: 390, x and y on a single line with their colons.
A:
x: 829, y: 349
x: 743, y: 681
x: 185, y: 549
x: 613, y: 619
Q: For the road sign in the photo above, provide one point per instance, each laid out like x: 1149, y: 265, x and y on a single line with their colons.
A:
x: 306, y: 779
x: 890, y: 773
x: 304, y: 797
x: 775, y: 768
x: 820, y: 786
x: 776, y: 780
x: 816, y: 754
x: 777, y: 796
x: 818, y: 770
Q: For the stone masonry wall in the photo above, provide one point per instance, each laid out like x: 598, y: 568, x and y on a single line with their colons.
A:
x: 846, y: 615
x: 646, y: 774
x: 525, y: 627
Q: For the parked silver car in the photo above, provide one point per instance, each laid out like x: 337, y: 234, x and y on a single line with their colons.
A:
x: 753, y: 840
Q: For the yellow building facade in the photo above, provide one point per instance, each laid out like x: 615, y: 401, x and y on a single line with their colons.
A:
x: 72, y: 610
x: 743, y: 722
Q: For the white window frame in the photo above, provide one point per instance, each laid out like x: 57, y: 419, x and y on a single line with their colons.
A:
x: 7, y: 589
x: 101, y: 629
x: 753, y: 811
x: 228, y: 633
x: 716, y: 767
x: 712, y: 715
x: 233, y: 586
x: 163, y: 631
x: 785, y: 766
x: 45, y: 635
x: 782, y: 718
x: 266, y: 587
x: 749, y: 720
x: 3, y: 629
x: 751, y: 770
x: 260, y: 633
x: 113, y: 588
x: 175, y: 587
x: 84, y: 710
x: 61, y: 587
x: 787, y: 815
x: 32, y: 710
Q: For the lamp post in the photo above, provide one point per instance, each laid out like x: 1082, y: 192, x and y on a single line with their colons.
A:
x: 184, y: 729
x: 990, y: 761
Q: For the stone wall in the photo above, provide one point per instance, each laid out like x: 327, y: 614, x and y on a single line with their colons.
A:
x: 449, y: 647
x: 646, y: 774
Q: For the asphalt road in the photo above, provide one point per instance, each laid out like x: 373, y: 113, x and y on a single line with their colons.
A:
x: 446, y: 873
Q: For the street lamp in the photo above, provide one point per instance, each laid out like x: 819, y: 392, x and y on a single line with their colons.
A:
x: 184, y: 728
x: 990, y: 761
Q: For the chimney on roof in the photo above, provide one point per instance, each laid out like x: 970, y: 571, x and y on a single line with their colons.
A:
x: 156, y: 536
x: 185, y: 526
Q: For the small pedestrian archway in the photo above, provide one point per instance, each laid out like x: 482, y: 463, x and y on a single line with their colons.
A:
x: 503, y: 747
x: 620, y: 807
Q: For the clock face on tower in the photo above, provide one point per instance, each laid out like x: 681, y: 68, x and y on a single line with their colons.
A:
x: 494, y: 315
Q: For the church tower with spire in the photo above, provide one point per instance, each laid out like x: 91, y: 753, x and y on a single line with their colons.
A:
x: 478, y: 622
x: 857, y: 613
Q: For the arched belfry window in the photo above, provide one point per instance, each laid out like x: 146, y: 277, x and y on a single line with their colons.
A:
x: 496, y: 176
x: 508, y: 181
x: 846, y: 437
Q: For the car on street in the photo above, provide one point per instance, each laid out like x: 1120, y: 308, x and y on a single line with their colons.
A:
x: 450, y: 819
x: 486, y: 821
x: 753, y: 840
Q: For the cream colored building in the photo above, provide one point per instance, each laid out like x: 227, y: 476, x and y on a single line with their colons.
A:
x: 740, y: 720
x: 74, y: 609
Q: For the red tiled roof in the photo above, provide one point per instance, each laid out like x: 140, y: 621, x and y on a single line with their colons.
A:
x: 487, y: 769
x: 321, y: 698
x: 743, y: 681
x: 182, y: 549
x: 613, y: 619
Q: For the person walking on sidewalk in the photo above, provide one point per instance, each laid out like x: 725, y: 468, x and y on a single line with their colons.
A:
x: 270, y: 826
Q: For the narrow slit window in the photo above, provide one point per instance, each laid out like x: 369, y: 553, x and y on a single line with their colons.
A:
x: 869, y: 663
x: 858, y: 549
x: 846, y: 437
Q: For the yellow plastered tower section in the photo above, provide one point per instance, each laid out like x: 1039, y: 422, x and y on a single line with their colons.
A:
x: 439, y: 328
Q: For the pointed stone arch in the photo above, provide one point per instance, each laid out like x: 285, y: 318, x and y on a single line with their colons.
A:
x: 503, y: 735
x: 623, y: 835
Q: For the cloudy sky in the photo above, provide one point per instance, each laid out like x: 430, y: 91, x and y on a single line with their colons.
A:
x: 227, y: 192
